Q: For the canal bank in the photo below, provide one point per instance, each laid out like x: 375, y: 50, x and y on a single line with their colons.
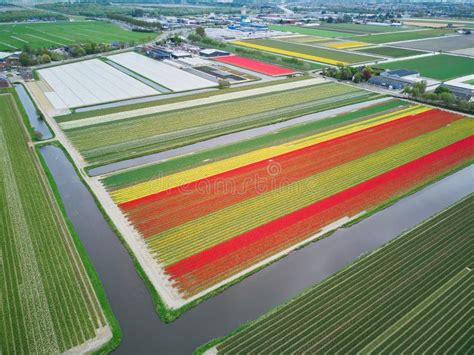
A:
x: 144, y: 332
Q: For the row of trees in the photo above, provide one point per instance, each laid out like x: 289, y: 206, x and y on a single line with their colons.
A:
x: 31, y: 56
x: 134, y: 21
x: 29, y: 15
x: 441, y: 96
x: 355, y: 74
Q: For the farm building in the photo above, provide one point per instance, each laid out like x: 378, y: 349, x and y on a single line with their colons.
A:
x: 460, y: 92
x: 397, y: 79
x: 157, y: 53
x: 212, y: 53
x: 395, y: 83
x: 3, y: 81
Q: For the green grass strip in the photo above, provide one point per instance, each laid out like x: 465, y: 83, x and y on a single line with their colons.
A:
x: 188, y: 161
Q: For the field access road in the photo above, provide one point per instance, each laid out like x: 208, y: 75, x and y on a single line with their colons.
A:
x: 143, y: 331
x: 190, y: 103
x: 227, y: 139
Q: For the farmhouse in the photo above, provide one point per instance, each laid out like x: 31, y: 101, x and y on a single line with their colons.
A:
x: 394, y: 79
x: 460, y: 92
x: 212, y: 53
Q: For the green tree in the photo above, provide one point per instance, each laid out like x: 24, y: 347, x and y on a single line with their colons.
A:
x: 45, y: 58
x: 200, y: 31
x: 441, y: 89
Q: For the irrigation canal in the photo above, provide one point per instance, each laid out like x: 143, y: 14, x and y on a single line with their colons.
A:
x: 143, y: 331
x: 36, y: 122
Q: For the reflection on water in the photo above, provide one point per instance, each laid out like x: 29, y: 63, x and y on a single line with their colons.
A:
x: 144, y: 333
x: 35, y: 121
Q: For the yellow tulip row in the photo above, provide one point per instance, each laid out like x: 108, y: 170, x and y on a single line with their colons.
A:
x: 164, y: 183
x: 192, y: 237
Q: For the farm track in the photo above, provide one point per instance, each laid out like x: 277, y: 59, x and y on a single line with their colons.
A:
x: 151, y: 133
x: 156, y: 185
x: 347, y: 311
x: 51, y: 305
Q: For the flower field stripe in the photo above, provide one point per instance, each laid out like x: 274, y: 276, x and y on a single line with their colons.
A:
x: 289, y: 53
x: 184, y: 162
x: 255, y: 65
x: 186, y: 239
x: 345, y: 203
x: 168, y: 211
x: 175, y: 180
x: 343, y: 45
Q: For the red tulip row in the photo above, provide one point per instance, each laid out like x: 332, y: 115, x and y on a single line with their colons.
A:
x: 215, y: 264
x: 174, y: 207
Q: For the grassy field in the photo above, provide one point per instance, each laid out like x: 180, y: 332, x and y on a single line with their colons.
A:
x: 38, y: 35
x: 470, y: 82
x: 359, y: 28
x: 309, y: 31
x: 403, y: 36
x: 303, y: 51
x: 390, y: 52
x: 359, y: 310
x: 119, y: 140
x: 48, y: 302
x: 441, y: 67
x: 180, y: 163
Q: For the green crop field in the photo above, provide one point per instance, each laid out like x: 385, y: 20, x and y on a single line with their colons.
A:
x: 102, y: 143
x: 360, y: 28
x: 163, y: 100
x: 309, y: 31
x: 390, y: 52
x: 48, y: 302
x: 403, y: 36
x: 412, y: 295
x: 441, y: 67
x: 330, y: 54
x: 38, y: 35
x: 184, y: 162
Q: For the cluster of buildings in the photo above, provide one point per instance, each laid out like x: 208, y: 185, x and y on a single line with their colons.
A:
x: 401, y: 78
x: 180, y: 52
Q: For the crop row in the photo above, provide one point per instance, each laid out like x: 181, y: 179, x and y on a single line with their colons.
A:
x: 437, y: 319
x: 184, y: 240
x: 213, y: 264
x: 175, y: 207
x: 347, y: 284
x: 167, y: 129
x: 348, y: 311
x: 184, y: 162
x: 298, y: 50
x: 153, y: 186
x: 48, y: 303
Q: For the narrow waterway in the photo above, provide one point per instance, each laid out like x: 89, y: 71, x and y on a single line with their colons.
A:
x: 38, y: 124
x: 144, y: 333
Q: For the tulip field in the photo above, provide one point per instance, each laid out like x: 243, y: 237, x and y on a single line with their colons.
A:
x: 207, y: 223
x: 105, y: 142
x: 411, y: 296
x: 48, y: 303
